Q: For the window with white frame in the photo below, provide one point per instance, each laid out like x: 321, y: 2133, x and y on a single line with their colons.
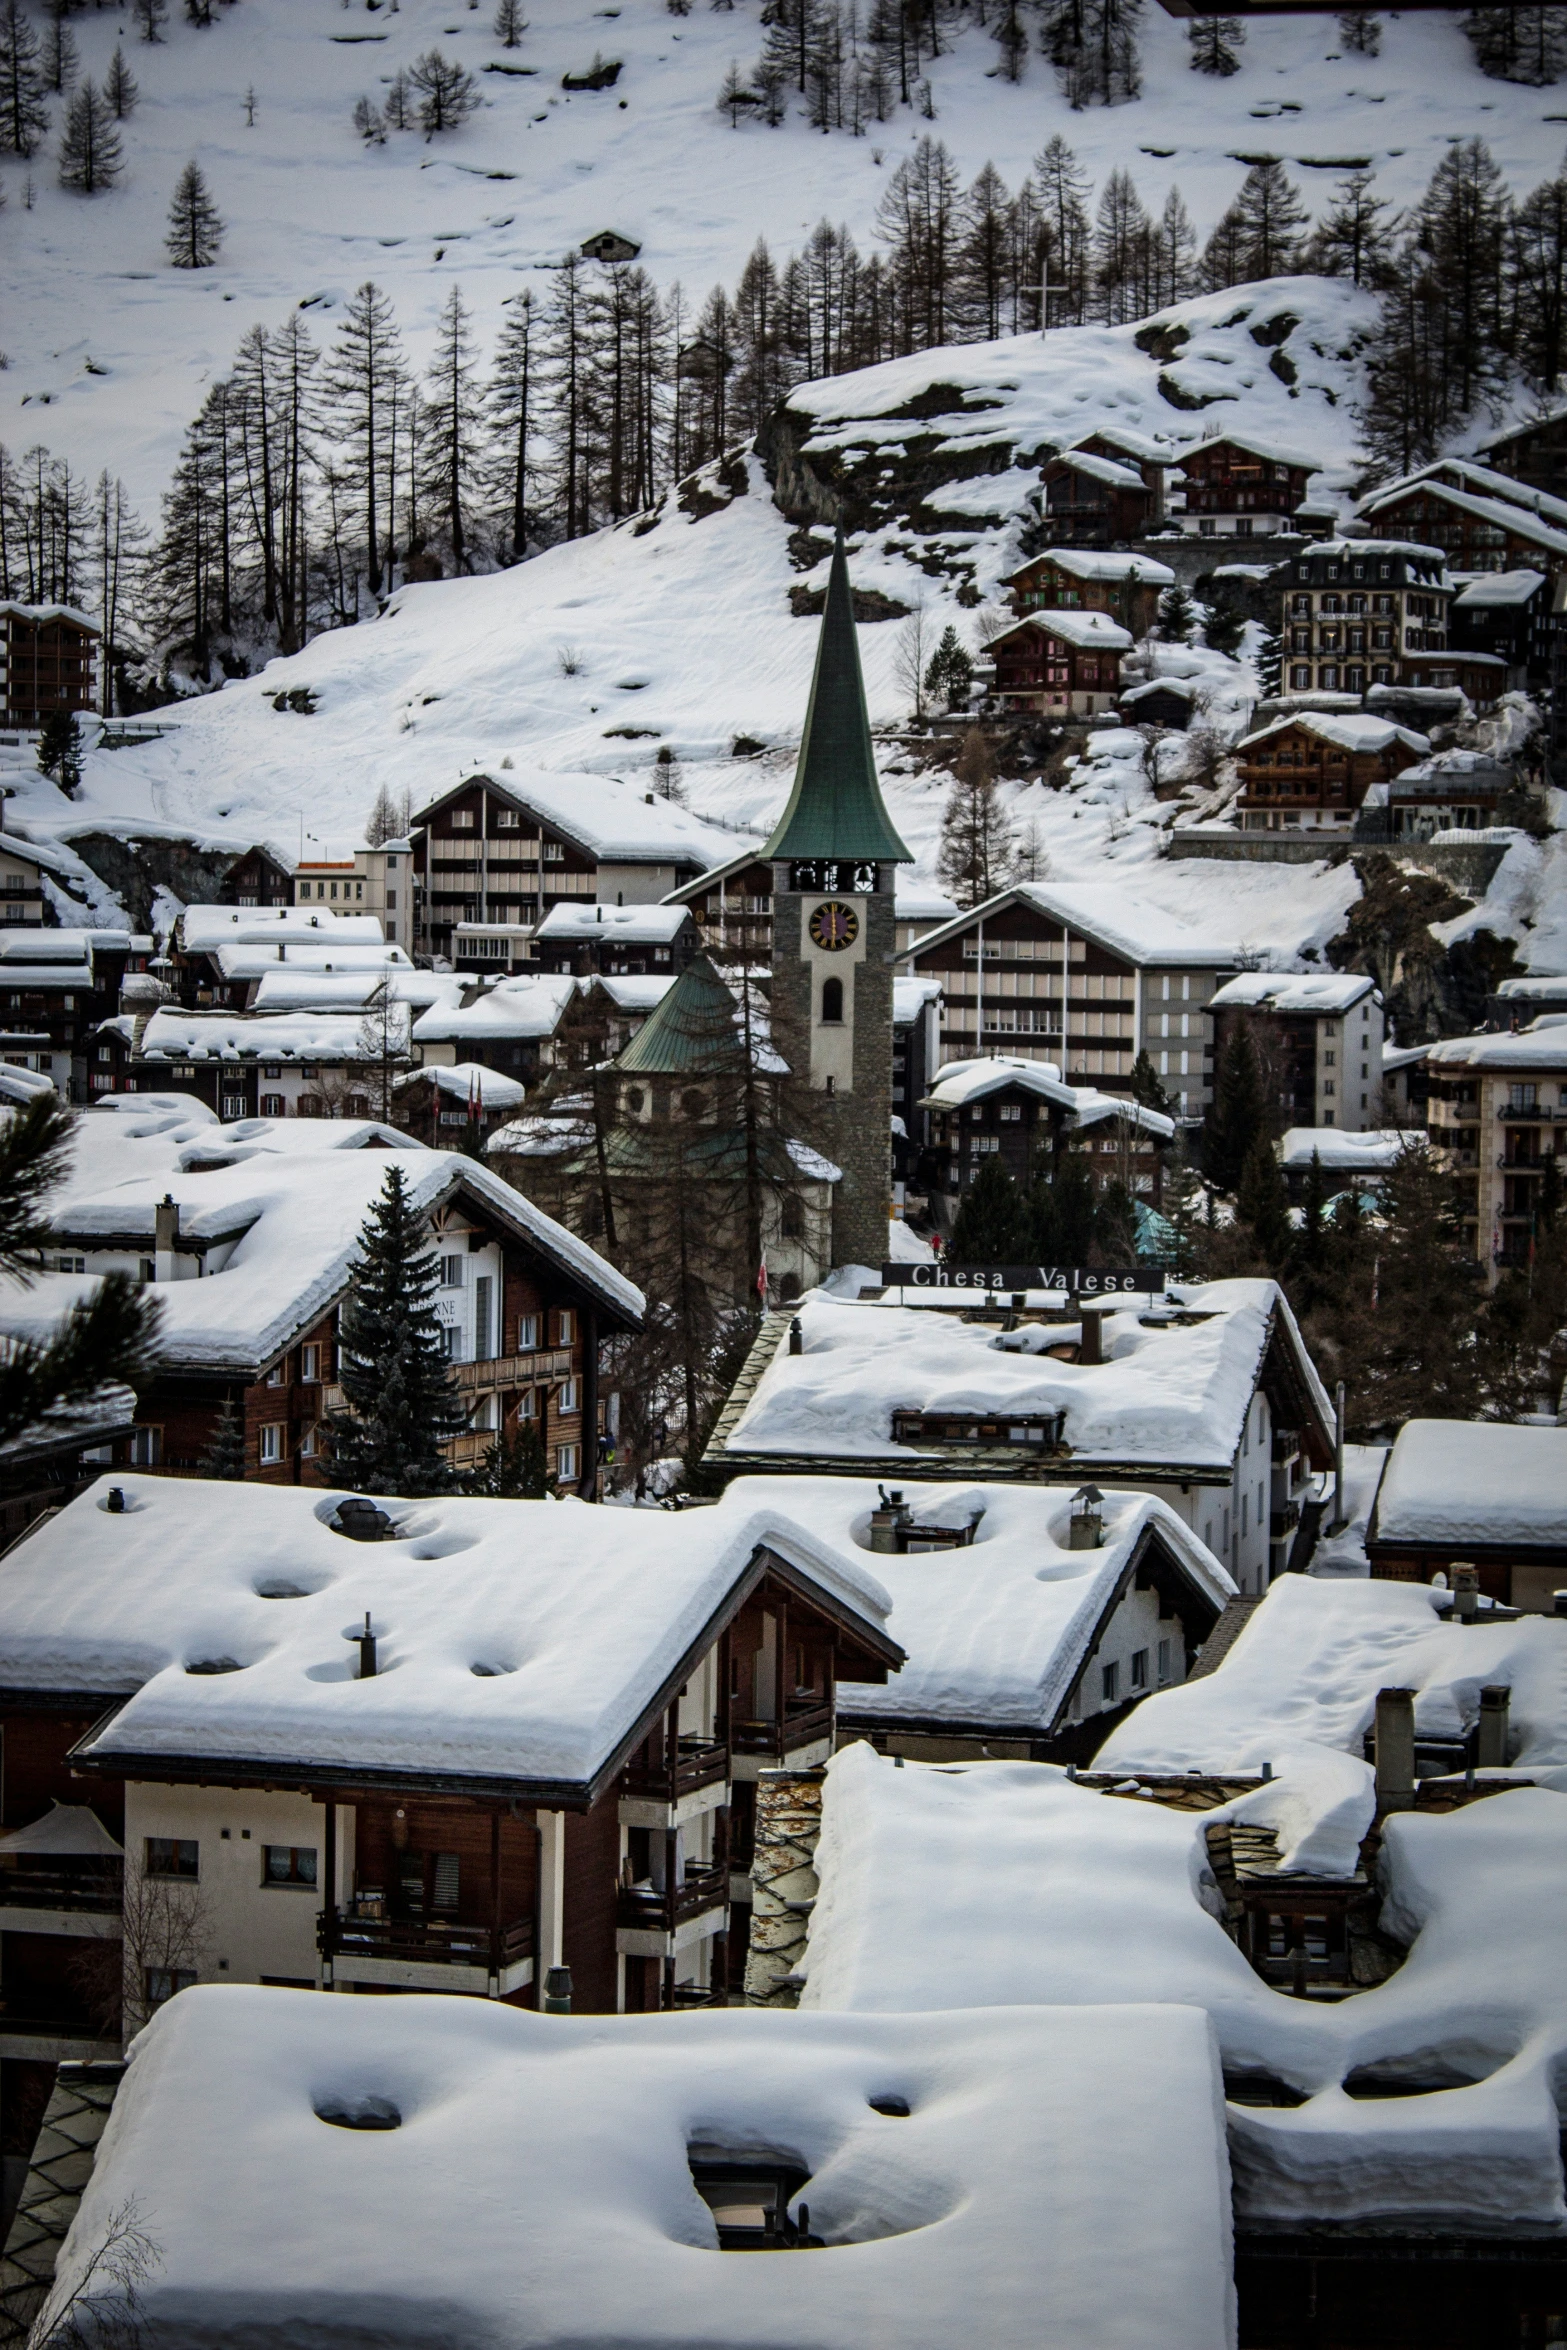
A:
x: 565, y: 1462
x: 271, y: 1441
x: 451, y: 1272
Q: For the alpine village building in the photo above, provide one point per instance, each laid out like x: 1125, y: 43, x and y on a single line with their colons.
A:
x: 48, y: 662
x: 1365, y: 612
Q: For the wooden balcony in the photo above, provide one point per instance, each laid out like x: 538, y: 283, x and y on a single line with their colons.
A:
x: 420, y: 1944
x: 697, y: 1763
x: 552, y: 1362
x: 88, y: 1887
x: 643, y: 1909
x: 805, y: 1722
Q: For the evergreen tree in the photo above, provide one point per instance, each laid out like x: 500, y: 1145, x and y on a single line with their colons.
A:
x: 1122, y: 234
x: 1182, y: 1207
x: 1518, y: 44
x: 510, y: 24
x: 1269, y: 661
x: 452, y: 448
x: 1440, y: 349
x: 60, y: 750
x: 120, y: 86
x: 951, y: 673
x: 369, y: 122
x: 1216, y: 43
x: 1538, y: 274
x: 1061, y: 190
x: 195, y: 233
x: 1263, y: 1204
x: 91, y: 156
x: 1146, y: 1087
x: 989, y: 1226
x: 1237, y: 1114
x: 24, y: 117
x: 975, y: 855
x: 399, y: 102
x: 225, y: 1456
x: 1093, y: 46
x: 393, y: 1366
x: 61, y: 63
x: 1177, y: 614
x: 1061, y: 1212
x: 1174, y: 251
x: 1268, y: 220
x: 1361, y: 32
x: 1224, y: 629
x: 108, y: 1336
x: 1353, y: 239
x: 516, y: 1469
x: 735, y: 96
x: 447, y: 94
x: 151, y: 16
x: 1406, y: 1328
x: 1115, y: 1225
x: 361, y: 382
x: 1313, y: 1250
x: 513, y: 404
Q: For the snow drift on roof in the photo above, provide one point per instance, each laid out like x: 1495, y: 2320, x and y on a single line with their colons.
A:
x: 202, y: 928
x: 1475, y: 1481
x: 1330, y: 992
x: 1341, y: 1151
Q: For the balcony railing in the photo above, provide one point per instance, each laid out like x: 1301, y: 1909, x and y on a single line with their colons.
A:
x: 806, y: 1720
x: 698, y: 1762
x: 1286, y: 1443
x: 645, y: 1907
x: 516, y: 1370
x: 50, y: 1883
x: 424, y: 1942
x: 1284, y: 1521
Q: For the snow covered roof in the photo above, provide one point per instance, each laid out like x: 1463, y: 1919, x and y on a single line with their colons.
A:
x: 636, y: 991
x: 525, y: 1007
x: 202, y: 928
x: 1350, y: 730
x: 1054, y: 1892
x: 995, y: 1634
x: 1098, y: 562
x: 1535, y: 984
x: 288, y: 988
x: 1480, y: 1481
x: 1273, y: 451
x: 1499, y: 588
x: 173, y: 1035
x: 43, y: 613
x: 1103, y: 469
x: 1340, y: 548
x: 327, y: 955
x: 520, y: 1643
x: 468, y: 1081
x: 289, y: 1201
x: 1341, y: 1151
x: 1090, y: 631
x: 1167, y: 1392
x: 1499, y: 513
x: 1402, y: 1056
x: 1107, y: 912
x: 46, y: 971
x: 19, y: 1085
x: 1184, y: 689
x: 996, y: 2211
x: 610, y: 819
x: 958, y: 1082
x: 914, y: 901
x: 1488, y: 482
x: 1540, y: 1046
x: 64, y: 1828
x: 1332, y: 993
x: 631, y: 925
x: 909, y: 998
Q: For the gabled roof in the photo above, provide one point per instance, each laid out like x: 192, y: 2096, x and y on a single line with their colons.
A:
x: 1091, y: 632
x: 835, y: 808
x: 1100, y: 910
x: 629, y: 925
x: 605, y: 816
x: 1330, y: 992
x: 1096, y: 563
x: 1349, y: 730
x: 1478, y: 1481
x: 202, y: 929
x: 1500, y: 514
x: 1499, y: 587
x: 1102, y: 469
x: 586, y: 1619
x: 1272, y: 451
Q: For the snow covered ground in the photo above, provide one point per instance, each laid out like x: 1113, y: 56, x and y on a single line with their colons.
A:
x: 111, y: 349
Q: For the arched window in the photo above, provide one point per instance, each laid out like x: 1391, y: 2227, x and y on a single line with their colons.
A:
x: 832, y: 1001
x: 792, y: 1220
x: 788, y: 1289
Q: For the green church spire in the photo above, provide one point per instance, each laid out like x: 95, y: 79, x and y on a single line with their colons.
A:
x: 836, y: 809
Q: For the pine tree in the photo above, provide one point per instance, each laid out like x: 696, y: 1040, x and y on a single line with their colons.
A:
x: 225, y: 1456
x: 1269, y: 223
x: 989, y: 1226
x: 195, y: 233
x: 91, y: 156
x: 60, y: 750
x: 974, y: 858
x: 369, y: 122
x: 1525, y: 45
x: 1313, y: 1247
x: 360, y: 386
x: 110, y: 1335
x: 510, y: 24
x: 735, y: 96
x: 1177, y: 614
x: 1093, y: 46
x: 1237, y: 1115
x: 513, y: 397
x: 1174, y: 249
x: 515, y: 1469
x: 151, y: 16
x: 24, y: 117
x: 393, y: 1367
x: 452, y: 449
x: 1122, y: 232
x: 1537, y: 264
x: 61, y: 63
x: 1224, y: 629
x: 1263, y: 1204
x: 1065, y: 239
x: 1353, y: 239
x: 1216, y: 43
x: 447, y: 95
x: 1061, y: 1212
x: 1115, y: 1225
x: 1268, y: 661
x: 950, y: 673
x: 1181, y: 1205
x: 1146, y: 1087
x: 399, y: 103
x: 1361, y: 32
x: 120, y: 86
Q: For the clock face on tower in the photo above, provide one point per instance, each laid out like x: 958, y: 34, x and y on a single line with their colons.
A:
x: 834, y: 926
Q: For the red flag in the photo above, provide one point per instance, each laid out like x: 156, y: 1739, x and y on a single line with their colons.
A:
x: 761, y: 1278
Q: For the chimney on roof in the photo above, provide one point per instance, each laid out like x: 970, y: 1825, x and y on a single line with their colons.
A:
x: 893, y: 1512
x: 1491, y: 1740
x: 1466, y: 1592
x: 165, y: 1237
x: 1091, y: 1349
x: 1395, y: 1749
x: 1087, y: 1529
x: 367, y: 1651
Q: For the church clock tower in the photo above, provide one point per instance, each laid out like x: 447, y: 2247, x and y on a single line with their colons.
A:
x: 835, y: 856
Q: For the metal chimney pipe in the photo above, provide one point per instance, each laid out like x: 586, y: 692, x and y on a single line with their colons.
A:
x: 1338, y: 1457
x: 1491, y: 1744
x: 367, y: 1651
x: 1395, y: 1749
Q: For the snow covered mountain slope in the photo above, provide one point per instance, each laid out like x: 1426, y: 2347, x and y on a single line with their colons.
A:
x: 110, y: 348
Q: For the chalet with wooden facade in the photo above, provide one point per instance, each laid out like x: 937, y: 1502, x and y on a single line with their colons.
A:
x: 250, y: 1237
x: 1204, y: 1397
x: 1511, y: 616
x: 451, y: 1108
x: 1356, y: 613
x: 617, y: 941
x: 1228, y: 487
x: 1082, y: 579
x: 55, y: 987
x: 1480, y: 519
x: 1090, y: 497
x: 1476, y: 1494
x: 1319, y: 1044
x: 449, y: 1745
x: 1452, y: 791
x: 493, y: 856
x: 1019, y: 1114
x: 49, y: 655
x: 1534, y: 454
x: 1497, y: 1113
x: 1079, y: 975
x: 1311, y: 772
x: 1059, y: 663
x: 515, y: 1026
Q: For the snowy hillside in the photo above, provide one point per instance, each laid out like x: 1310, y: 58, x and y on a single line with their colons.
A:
x: 110, y: 349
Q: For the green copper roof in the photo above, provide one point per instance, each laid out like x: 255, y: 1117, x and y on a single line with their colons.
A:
x: 836, y: 808
x: 692, y: 1030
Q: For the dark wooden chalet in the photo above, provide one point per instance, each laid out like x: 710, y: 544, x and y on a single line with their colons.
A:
x: 1239, y: 488
x: 1069, y: 579
x: 48, y: 662
x: 1060, y: 663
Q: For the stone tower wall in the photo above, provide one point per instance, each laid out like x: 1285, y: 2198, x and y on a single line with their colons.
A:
x: 852, y: 1124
